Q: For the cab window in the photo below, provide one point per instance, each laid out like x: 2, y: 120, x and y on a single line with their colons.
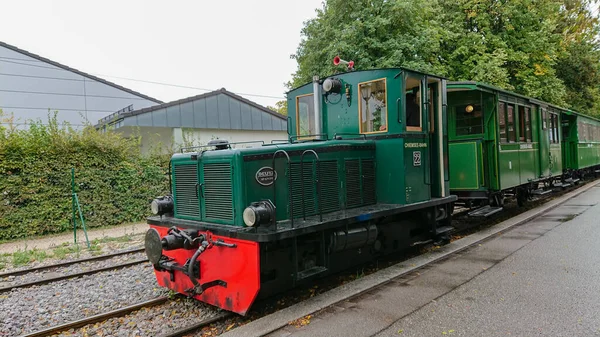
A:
x: 373, y: 106
x: 412, y: 104
x: 305, y: 116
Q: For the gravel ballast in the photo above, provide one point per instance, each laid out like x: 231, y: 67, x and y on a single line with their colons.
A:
x: 153, y: 321
x: 30, y: 309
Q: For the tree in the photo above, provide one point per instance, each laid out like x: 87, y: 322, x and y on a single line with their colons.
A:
x: 280, y: 107
x: 374, y: 33
x: 540, y: 48
x: 579, y: 61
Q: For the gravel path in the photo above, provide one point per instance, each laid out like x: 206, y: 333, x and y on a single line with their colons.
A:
x: 154, y: 321
x: 31, y: 309
x: 69, y: 252
x: 66, y: 270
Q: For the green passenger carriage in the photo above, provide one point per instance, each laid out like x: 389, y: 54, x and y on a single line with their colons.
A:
x: 505, y: 144
x: 581, y: 144
x: 364, y: 173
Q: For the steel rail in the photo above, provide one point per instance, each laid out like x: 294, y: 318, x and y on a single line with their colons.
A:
x: 74, y: 275
x: 96, y: 318
x: 198, y: 325
x: 72, y: 262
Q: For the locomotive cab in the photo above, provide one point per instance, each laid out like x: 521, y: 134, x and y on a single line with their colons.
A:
x: 364, y: 173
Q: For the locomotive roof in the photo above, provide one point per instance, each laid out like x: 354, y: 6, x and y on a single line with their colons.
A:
x: 399, y: 69
x: 473, y: 85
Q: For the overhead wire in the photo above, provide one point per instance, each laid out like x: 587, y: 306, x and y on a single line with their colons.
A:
x: 13, y: 61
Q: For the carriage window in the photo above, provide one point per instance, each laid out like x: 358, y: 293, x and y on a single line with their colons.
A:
x: 373, y: 106
x: 511, y: 132
x: 469, y: 119
x: 553, y: 132
x: 556, y: 140
x: 544, y: 119
x: 305, y: 120
x: 528, y: 129
x: 412, y: 103
x: 502, y: 121
x: 521, y: 123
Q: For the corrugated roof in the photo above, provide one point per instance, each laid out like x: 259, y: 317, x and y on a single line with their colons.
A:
x: 209, y: 110
x: 79, y: 72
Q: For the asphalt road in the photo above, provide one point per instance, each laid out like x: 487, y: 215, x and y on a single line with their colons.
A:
x: 539, y: 279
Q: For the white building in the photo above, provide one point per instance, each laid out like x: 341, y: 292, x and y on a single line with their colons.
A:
x: 32, y: 86
x: 197, y: 120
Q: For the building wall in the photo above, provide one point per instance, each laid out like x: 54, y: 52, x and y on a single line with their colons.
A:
x: 169, y: 140
x: 30, y: 87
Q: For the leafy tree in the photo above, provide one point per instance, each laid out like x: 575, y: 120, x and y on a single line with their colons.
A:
x: 578, y: 63
x: 540, y: 48
x: 375, y: 33
x: 280, y: 107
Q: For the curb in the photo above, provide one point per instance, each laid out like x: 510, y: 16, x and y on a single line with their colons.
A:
x: 281, y: 318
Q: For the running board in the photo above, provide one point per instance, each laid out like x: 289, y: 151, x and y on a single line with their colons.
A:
x: 310, y: 272
x: 541, y: 192
x: 485, y: 211
x: 561, y: 185
x: 572, y: 181
x: 443, y: 230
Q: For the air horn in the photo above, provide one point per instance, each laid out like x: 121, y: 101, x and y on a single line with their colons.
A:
x: 337, y: 60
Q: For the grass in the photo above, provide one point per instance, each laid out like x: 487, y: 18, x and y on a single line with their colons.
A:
x: 23, y: 257
x: 64, y: 250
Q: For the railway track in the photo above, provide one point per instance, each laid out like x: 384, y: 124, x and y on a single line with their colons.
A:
x: 199, y: 325
x: 69, y: 263
x: 55, y: 278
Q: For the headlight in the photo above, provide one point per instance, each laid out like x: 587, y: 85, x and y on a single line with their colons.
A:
x: 154, y: 206
x: 249, y: 216
x: 262, y: 212
x: 162, y: 205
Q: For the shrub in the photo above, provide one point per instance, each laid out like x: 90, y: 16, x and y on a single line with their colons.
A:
x: 114, y: 182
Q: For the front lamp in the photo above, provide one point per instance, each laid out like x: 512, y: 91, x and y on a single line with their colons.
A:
x: 162, y: 205
x: 259, y: 213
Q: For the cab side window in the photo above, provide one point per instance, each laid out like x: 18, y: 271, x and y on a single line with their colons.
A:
x: 373, y: 106
x: 412, y: 104
x: 305, y: 115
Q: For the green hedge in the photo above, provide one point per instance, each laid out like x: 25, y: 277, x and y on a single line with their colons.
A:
x: 114, y: 182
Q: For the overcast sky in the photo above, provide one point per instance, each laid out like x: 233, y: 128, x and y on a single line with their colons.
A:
x: 244, y: 46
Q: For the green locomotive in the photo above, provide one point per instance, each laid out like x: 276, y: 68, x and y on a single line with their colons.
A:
x: 365, y: 173
x: 505, y: 144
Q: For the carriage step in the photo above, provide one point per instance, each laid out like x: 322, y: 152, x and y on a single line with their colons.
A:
x: 310, y: 272
x: 562, y: 185
x: 597, y: 171
x: 541, y: 192
x: 571, y: 181
x: 443, y: 230
x: 485, y: 211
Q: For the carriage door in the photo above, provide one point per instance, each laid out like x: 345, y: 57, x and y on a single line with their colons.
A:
x: 416, y: 139
x: 435, y: 132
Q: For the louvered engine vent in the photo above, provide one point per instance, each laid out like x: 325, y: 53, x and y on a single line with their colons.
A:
x: 186, y: 199
x: 218, y: 194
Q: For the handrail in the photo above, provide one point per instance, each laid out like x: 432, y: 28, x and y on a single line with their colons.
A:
x: 308, y: 136
x: 335, y: 135
x: 228, y: 144
x: 318, y: 183
x: 274, y: 221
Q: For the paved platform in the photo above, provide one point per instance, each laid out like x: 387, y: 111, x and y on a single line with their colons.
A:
x: 541, y: 278
x: 51, y: 241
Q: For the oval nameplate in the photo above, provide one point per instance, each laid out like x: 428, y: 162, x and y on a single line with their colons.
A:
x: 266, y: 176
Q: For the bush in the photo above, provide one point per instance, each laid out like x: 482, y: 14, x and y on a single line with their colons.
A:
x: 114, y: 182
